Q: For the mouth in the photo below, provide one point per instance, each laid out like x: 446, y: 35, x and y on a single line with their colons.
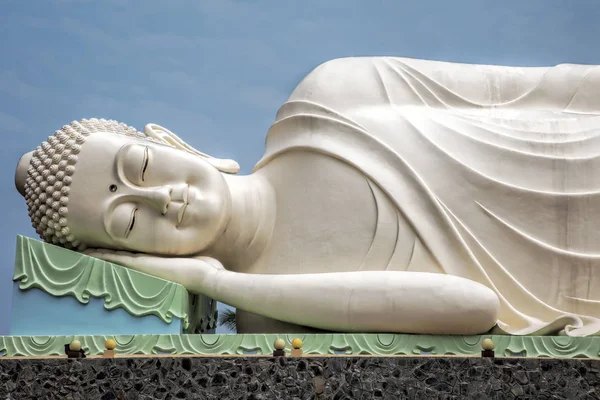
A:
x: 181, y: 211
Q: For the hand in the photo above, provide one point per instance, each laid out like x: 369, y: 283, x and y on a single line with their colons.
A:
x: 190, y: 272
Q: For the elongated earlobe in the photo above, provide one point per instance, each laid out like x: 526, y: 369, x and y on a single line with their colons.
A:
x: 166, y: 136
x: 21, y: 172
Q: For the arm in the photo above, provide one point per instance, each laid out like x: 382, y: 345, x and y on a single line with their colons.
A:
x: 369, y: 301
x: 189, y: 272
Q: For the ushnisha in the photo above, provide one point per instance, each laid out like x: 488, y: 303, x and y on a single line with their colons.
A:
x: 395, y: 195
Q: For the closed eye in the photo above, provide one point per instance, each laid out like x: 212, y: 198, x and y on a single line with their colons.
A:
x: 145, y: 164
x: 131, y: 222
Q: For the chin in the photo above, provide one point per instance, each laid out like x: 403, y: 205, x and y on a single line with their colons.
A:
x: 210, y: 217
x: 191, y: 240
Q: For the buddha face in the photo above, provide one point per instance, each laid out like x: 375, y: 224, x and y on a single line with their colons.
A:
x: 135, y: 195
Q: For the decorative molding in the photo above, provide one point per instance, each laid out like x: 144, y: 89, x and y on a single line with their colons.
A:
x: 61, y: 272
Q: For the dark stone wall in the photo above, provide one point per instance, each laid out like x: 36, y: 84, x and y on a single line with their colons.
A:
x: 298, y: 378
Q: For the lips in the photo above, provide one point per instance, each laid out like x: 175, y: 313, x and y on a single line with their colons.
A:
x: 181, y: 211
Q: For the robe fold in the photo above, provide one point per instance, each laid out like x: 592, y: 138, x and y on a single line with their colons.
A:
x: 493, y: 167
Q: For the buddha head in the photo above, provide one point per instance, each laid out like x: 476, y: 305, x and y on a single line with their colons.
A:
x: 102, y: 184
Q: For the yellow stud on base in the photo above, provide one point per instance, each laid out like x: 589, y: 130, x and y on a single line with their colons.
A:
x: 297, y: 347
x: 110, y: 345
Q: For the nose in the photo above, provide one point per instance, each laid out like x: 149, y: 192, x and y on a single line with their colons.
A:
x: 158, y: 197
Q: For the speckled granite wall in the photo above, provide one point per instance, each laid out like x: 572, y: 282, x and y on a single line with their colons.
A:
x: 298, y: 378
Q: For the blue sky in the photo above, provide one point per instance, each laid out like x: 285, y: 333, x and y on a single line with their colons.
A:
x: 216, y: 71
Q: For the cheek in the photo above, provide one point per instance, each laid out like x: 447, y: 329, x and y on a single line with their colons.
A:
x: 202, y: 175
x: 207, y: 209
x: 167, y: 166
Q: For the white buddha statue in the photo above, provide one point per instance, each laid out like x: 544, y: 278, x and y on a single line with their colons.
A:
x: 395, y: 195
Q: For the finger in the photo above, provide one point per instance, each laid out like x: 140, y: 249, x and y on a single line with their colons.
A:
x: 210, y: 261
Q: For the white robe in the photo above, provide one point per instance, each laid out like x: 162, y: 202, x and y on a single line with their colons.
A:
x: 494, y: 167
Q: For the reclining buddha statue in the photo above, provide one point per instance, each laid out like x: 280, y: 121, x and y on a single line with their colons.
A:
x: 395, y: 195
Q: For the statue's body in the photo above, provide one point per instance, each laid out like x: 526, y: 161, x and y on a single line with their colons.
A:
x: 395, y: 195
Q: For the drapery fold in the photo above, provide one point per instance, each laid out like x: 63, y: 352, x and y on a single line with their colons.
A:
x: 494, y: 168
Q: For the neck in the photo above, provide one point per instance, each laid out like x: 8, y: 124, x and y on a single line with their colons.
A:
x: 250, y: 227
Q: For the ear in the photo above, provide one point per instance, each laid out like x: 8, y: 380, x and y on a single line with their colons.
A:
x: 166, y: 136
x: 21, y: 172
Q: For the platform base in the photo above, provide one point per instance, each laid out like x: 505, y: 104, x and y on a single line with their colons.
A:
x: 302, y: 377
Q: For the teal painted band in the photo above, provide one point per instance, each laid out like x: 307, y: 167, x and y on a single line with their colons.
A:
x: 348, y: 344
